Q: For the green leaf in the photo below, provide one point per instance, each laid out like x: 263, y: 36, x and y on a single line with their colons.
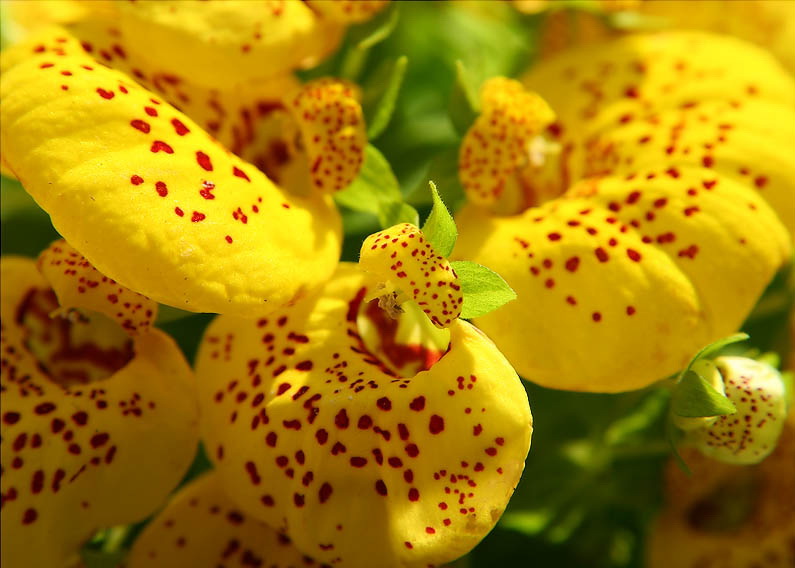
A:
x: 379, y: 111
x: 374, y: 32
x: 439, y: 228
x: 716, y: 346
x: 484, y: 290
x: 464, y: 100
x: 694, y: 397
x: 376, y: 191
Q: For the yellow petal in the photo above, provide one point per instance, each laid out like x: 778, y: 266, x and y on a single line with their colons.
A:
x: 402, y: 257
x: 330, y: 119
x: 149, y: 198
x: 642, y: 242
x: 311, y: 433
x: 201, y: 526
x: 348, y: 10
x: 728, y: 515
x: 67, y: 445
x: 79, y: 285
x: 224, y: 43
x: 498, y: 142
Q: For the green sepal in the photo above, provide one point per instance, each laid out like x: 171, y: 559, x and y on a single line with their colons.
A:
x: 694, y: 397
x: 484, y: 290
x: 439, y: 228
x: 716, y: 346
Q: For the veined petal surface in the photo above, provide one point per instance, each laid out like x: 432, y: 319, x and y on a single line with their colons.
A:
x: 122, y: 415
x: 149, y: 198
x: 670, y: 144
x: 314, y: 435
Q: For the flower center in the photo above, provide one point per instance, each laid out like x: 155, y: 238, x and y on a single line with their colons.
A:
x: 402, y: 338
x: 74, y: 347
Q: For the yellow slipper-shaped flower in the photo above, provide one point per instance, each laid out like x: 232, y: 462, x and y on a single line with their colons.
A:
x: 728, y: 516
x: 201, y: 526
x: 767, y: 23
x: 640, y: 225
x: 99, y: 415
x: 315, y: 434
x: 150, y: 198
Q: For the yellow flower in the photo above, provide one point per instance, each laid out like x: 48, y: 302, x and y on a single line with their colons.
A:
x: 768, y: 23
x: 403, y: 263
x: 201, y: 526
x: 727, y: 515
x: 314, y: 433
x: 94, y: 400
x: 152, y: 194
x: 644, y: 224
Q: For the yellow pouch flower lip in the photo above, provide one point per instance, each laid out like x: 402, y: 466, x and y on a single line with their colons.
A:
x: 741, y: 515
x: 639, y: 245
x: 86, y: 409
x: 226, y: 43
x: 312, y: 434
x: 149, y: 198
x: 201, y: 526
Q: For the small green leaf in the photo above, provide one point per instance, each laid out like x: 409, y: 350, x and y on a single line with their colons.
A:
x: 484, y: 290
x: 380, y: 103
x: 439, y: 228
x: 464, y: 100
x: 716, y: 346
x: 694, y: 397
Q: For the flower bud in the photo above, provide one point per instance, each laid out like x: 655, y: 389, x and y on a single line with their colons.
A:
x: 749, y: 435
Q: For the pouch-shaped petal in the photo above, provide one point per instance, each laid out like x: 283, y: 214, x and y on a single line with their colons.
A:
x: 201, y: 526
x: 314, y: 435
x: 348, y: 10
x: 151, y: 199
x: 129, y: 420
x: 727, y: 515
x: 77, y: 284
x: 659, y: 240
x: 401, y: 260
x: 223, y: 43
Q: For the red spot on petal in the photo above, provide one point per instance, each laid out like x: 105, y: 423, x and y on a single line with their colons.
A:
x: 179, y: 127
x: 204, y: 161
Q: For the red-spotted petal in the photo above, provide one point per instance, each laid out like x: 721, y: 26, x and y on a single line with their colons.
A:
x: 85, y: 411
x: 314, y: 435
x: 499, y: 143
x: 150, y: 198
x: 400, y: 259
x: 640, y: 246
x: 79, y: 285
x: 329, y: 117
x: 201, y: 526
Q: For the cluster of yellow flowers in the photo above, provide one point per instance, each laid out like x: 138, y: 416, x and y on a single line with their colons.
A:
x: 637, y: 193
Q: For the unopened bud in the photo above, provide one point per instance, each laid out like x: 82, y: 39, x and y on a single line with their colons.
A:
x: 749, y: 435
